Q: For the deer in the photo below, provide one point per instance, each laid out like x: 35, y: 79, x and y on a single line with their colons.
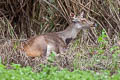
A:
x: 44, y: 44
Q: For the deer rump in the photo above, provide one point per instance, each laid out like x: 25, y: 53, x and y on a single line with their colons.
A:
x: 44, y: 44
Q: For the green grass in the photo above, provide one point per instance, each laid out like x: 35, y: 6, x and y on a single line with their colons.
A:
x: 53, y: 73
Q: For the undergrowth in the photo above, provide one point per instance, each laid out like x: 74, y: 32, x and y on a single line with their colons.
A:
x: 102, y: 56
x: 53, y: 73
x: 100, y: 63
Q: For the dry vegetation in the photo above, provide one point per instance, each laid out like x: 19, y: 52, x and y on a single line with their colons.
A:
x: 21, y: 19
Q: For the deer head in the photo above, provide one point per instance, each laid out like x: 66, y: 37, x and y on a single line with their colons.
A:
x: 80, y: 22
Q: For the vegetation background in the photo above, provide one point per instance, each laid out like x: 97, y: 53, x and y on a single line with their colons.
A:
x: 95, y: 49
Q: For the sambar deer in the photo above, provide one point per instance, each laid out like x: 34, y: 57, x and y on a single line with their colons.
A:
x: 44, y: 44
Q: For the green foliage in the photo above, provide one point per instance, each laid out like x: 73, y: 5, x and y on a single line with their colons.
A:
x: 53, y: 73
x: 102, y: 43
x: 51, y: 58
x: 17, y: 73
x: 115, y: 50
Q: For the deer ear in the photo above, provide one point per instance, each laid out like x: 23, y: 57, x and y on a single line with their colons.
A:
x: 82, y: 14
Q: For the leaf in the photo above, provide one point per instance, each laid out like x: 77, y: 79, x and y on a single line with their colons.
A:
x: 16, y: 66
x: 100, y: 39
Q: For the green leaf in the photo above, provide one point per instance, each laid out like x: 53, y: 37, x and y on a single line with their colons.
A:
x: 16, y: 66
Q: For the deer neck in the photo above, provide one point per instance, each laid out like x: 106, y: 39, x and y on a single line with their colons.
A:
x: 69, y: 33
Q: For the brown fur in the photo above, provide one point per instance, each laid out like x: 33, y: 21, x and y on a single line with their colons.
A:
x: 33, y: 47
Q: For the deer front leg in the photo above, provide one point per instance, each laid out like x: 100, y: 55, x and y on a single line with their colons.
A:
x: 50, y: 48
